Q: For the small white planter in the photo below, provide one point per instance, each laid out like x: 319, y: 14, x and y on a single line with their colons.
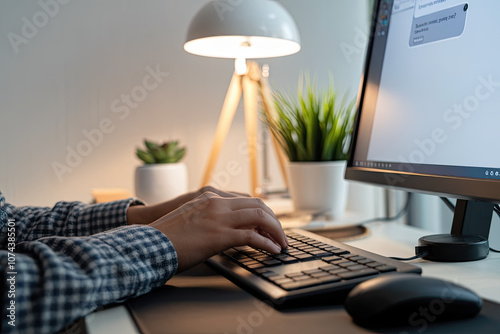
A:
x: 318, y: 187
x: 155, y: 183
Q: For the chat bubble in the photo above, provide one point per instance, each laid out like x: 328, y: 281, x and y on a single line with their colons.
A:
x: 426, y: 7
x: 444, y: 24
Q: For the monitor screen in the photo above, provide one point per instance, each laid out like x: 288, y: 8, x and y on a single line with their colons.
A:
x: 429, y: 104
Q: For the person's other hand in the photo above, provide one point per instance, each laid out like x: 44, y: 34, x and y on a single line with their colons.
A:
x: 211, y: 223
x: 141, y: 214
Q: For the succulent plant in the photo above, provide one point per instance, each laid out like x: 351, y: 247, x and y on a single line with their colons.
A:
x: 168, y: 152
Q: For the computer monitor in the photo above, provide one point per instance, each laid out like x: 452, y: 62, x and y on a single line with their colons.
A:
x: 429, y: 113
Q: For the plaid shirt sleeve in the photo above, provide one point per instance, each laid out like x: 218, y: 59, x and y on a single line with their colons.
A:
x: 58, y: 279
x: 67, y: 218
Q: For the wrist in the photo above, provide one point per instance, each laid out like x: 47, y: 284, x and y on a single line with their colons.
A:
x: 146, y: 214
x: 136, y: 215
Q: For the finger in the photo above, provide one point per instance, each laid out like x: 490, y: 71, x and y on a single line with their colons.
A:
x: 267, y: 235
x: 247, y: 213
x: 238, y: 194
x: 244, y: 203
x: 254, y: 239
x: 222, y: 193
x: 236, y: 203
x: 253, y: 218
x: 250, y: 202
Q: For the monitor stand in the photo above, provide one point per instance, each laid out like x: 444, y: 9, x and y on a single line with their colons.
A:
x: 468, y: 240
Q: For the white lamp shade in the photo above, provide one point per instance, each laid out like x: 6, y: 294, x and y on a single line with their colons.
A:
x: 243, y: 29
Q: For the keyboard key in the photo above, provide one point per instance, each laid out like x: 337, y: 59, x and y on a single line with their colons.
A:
x: 332, y: 258
x: 296, y: 252
x: 283, y: 281
x: 346, y: 264
x: 329, y: 267
x: 365, y: 261
x: 359, y: 273
x: 247, y: 260
x: 341, y: 252
x: 385, y: 268
x: 297, y: 274
x: 358, y: 267
x: 262, y: 271
x: 255, y: 265
x: 305, y: 257
x: 374, y: 264
x: 320, y: 253
x: 290, y: 285
x: 320, y: 274
x: 329, y: 279
x: 312, y: 271
x: 288, y: 259
x: 272, y: 262
x: 277, y: 278
x: 338, y: 271
x: 250, y: 262
x: 281, y: 256
x: 269, y: 274
x: 308, y: 282
x: 316, y: 243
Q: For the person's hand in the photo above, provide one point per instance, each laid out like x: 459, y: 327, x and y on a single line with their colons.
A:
x: 141, y: 214
x: 211, y: 223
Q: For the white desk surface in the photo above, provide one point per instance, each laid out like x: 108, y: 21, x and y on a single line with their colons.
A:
x: 388, y: 239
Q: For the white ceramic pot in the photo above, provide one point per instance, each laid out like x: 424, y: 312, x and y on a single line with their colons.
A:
x: 155, y: 183
x: 318, y: 187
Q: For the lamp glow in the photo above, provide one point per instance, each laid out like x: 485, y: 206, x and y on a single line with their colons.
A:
x: 251, y: 29
x: 240, y: 66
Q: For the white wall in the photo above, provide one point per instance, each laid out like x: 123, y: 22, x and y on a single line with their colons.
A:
x: 60, y: 80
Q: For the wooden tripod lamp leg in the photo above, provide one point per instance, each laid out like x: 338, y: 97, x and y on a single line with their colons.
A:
x: 229, y: 107
x: 250, y: 98
x: 268, y: 108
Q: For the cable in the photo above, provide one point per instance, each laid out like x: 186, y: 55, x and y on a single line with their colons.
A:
x: 409, y: 258
x: 401, y: 213
x: 420, y: 251
x: 448, y: 203
x: 496, y: 208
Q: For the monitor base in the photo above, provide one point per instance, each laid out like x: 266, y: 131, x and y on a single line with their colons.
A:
x: 453, y: 248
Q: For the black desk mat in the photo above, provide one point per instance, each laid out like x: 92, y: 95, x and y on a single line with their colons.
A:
x: 201, y: 301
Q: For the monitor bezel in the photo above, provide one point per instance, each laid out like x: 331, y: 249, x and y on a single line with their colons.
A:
x: 450, y: 186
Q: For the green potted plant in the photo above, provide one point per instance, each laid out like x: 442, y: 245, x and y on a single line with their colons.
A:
x: 314, y: 130
x: 162, y: 176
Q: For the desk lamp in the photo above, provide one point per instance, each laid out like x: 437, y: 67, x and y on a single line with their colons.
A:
x: 242, y: 30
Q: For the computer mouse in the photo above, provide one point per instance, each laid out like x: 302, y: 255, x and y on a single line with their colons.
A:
x: 409, y: 299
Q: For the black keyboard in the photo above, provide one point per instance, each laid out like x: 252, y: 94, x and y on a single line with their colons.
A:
x: 314, y: 270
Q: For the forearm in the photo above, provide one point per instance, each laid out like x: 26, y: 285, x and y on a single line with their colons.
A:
x: 61, y: 279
